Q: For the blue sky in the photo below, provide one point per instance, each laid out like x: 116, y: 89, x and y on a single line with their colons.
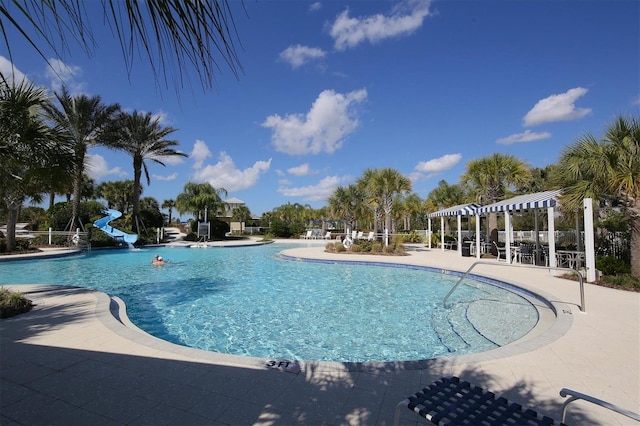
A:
x: 331, y: 88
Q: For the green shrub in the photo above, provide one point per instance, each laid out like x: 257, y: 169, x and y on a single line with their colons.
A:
x: 356, y: 249
x: 610, y: 265
x: 13, y: 303
x: 376, y: 248
x: 399, y: 250
x: 364, y: 246
x: 623, y: 281
x: 411, y: 237
x: 330, y: 247
x: 340, y: 248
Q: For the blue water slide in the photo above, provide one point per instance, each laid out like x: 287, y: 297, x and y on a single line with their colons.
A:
x: 103, y: 225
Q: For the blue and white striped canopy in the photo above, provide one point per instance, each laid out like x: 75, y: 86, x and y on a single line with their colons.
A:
x: 538, y: 200
x: 461, y: 210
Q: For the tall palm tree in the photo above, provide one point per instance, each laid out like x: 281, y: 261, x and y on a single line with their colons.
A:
x: 144, y: 139
x: 346, y: 203
x: 169, y: 204
x: 491, y: 179
x: 373, y: 199
x: 197, y: 198
x: 30, y: 151
x: 411, y: 206
x: 184, y: 34
x: 389, y: 183
x: 85, y: 120
x: 607, y: 168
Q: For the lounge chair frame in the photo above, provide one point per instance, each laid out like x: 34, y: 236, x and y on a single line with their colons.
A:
x: 450, y: 401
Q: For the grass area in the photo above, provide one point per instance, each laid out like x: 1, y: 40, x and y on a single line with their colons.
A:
x: 13, y: 303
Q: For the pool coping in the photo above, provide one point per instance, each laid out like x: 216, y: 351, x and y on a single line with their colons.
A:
x: 111, y: 311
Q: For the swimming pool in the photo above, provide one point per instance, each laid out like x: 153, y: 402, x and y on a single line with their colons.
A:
x: 249, y: 301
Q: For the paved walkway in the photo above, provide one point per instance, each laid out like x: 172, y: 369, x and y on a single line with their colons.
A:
x: 75, y: 359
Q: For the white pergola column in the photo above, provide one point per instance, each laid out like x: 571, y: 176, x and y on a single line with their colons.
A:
x: 508, y: 235
x: 442, y: 233
x: 589, y: 244
x: 429, y: 232
x: 551, y: 227
x: 478, y: 254
x: 459, y: 245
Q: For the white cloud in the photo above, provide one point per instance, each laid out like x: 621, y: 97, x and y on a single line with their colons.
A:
x: 559, y: 107
x: 60, y: 74
x: 298, y: 55
x: 199, y: 153
x: 439, y: 164
x: 98, y: 168
x: 225, y: 174
x: 9, y: 71
x: 404, y: 19
x: 323, y: 129
x: 284, y: 182
x: 171, y: 177
x: 320, y: 192
x: 315, y: 6
x: 301, y: 170
x: 527, y: 136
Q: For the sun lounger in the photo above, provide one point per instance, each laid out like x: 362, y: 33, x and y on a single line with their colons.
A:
x: 451, y: 401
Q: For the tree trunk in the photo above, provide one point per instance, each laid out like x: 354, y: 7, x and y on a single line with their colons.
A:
x: 137, y: 189
x: 12, y: 219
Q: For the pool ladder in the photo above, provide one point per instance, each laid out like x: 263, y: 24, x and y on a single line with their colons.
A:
x: 580, y: 278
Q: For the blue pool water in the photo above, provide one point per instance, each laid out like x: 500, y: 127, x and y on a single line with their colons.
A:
x: 249, y: 301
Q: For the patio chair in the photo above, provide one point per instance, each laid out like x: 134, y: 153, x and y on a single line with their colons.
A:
x: 371, y: 236
x: 527, y: 253
x: 502, y: 251
x: 307, y: 236
x: 450, y: 401
x: 327, y: 236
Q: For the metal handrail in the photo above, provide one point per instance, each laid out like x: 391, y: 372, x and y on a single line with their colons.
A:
x: 555, y: 268
x: 574, y: 396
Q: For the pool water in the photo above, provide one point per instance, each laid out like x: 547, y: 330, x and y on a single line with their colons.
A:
x: 250, y: 301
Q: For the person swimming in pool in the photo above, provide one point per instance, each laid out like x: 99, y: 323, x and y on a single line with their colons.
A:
x: 157, y: 261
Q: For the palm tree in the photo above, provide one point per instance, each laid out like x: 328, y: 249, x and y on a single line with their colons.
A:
x: 607, y: 168
x: 168, y: 32
x: 411, y: 206
x: 492, y: 177
x: 346, y: 203
x: 85, y: 120
x: 144, y: 138
x: 373, y: 200
x: 389, y: 183
x: 444, y: 196
x: 30, y: 151
x: 117, y: 194
x: 198, y: 198
x: 293, y: 213
x: 241, y: 214
x: 169, y: 204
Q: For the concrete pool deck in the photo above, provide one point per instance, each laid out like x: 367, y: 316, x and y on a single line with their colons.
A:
x: 71, y: 361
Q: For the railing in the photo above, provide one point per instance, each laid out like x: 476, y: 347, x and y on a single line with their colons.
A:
x: 582, y: 304
x: 574, y: 396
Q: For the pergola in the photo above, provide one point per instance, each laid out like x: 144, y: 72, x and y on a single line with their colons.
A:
x: 539, y: 200
x: 458, y: 211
